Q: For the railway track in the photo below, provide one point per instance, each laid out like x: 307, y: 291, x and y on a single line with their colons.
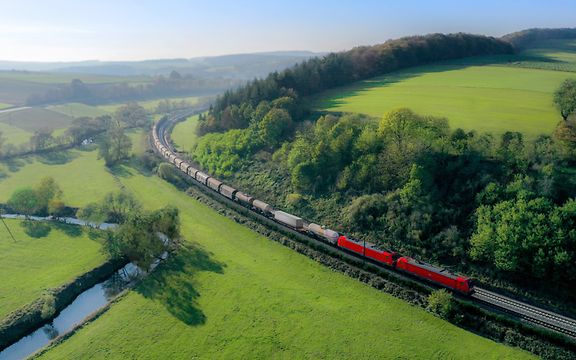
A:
x: 524, y: 312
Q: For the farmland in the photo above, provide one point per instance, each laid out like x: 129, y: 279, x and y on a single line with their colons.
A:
x: 195, y: 302
x: 30, y: 264
x: 193, y: 305
x: 17, y: 86
x: 502, y: 96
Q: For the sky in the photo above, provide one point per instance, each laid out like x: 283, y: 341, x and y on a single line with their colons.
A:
x: 59, y: 30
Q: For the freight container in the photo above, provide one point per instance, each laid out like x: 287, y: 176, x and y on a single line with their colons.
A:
x: 227, y: 191
x: 214, y: 184
x: 244, y: 198
x: 262, y: 206
x: 201, y: 177
x: 289, y: 219
x: 192, y: 172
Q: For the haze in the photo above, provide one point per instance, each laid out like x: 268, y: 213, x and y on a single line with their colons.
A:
x: 59, y: 30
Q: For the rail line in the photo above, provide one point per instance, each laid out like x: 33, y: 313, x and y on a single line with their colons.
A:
x: 522, y: 311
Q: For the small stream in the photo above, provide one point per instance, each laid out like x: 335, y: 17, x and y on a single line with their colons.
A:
x: 87, y: 303
x: 65, y: 220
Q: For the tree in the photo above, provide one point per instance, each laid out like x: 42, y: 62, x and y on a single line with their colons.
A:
x: 47, y: 190
x: 41, y: 139
x: 118, y: 206
x: 115, y: 146
x: 145, y: 236
x: 25, y: 201
x: 133, y: 115
x: 565, y: 98
x: 92, y: 213
x: 274, y: 126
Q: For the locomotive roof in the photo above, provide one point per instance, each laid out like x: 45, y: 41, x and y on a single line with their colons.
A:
x: 368, y: 245
x: 432, y: 268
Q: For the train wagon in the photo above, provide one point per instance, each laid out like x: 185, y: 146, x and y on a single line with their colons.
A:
x: 330, y: 235
x: 435, y: 274
x: 288, y: 219
x: 201, y: 177
x: 243, y: 198
x: 192, y: 172
x: 184, y: 166
x: 262, y: 206
x: 383, y: 256
x: 227, y: 191
x: 214, y: 184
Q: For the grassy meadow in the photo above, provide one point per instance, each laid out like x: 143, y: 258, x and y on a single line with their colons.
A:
x: 184, y: 134
x: 234, y: 293
x: 487, y: 94
x: 42, y: 260
x: 19, y: 126
x: 483, y: 98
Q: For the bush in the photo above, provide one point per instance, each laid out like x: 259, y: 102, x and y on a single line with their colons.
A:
x: 440, y: 303
x: 48, y: 305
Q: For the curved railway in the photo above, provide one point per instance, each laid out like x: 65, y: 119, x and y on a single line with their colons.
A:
x: 384, y: 259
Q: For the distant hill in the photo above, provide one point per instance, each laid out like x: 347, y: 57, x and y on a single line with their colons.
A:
x: 238, y: 66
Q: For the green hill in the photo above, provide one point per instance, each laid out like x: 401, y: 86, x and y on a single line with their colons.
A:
x: 513, y: 93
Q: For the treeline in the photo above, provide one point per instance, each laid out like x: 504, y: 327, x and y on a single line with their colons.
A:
x: 161, y: 86
x: 410, y: 183
x: 524, y: 38
x: 337, y: 69
x: 114, y: 147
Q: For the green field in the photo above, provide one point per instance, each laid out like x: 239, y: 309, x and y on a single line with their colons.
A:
x: 17, y: 86
x: 81, y: 176
x: 78, y: 110
x: 184, y: 134
x: 32, y: 264
x: 234, y: 293
x: 484, y: 98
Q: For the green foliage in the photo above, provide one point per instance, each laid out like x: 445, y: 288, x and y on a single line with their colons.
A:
x: 48, y: 305
x: 274, y: 127
x: 440, y: 303
x: 132, y: 115
x: 169, y: 173
x: 25, y: 201
x: 144, y: 236
x: 115, y: 146
x: 337, y: 69
x: 527, y: 235
x: 222, y: 154
x: 565, y: 98
x: 43, y: 198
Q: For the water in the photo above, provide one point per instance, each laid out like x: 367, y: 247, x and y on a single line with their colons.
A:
x: 84, y: 305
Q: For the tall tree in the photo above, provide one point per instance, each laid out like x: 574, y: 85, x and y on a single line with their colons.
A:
x: 565, y: 98
x: 115, y: 146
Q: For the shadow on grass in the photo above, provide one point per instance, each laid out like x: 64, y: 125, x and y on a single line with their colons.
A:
x: 173, y: 283
x: 70, y: 230
x: 15, y: 164
x: 120, y: 170
x: 36, y: 229
x: 57, y: 157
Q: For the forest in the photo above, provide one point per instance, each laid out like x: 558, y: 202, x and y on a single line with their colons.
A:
x: 499, y: 203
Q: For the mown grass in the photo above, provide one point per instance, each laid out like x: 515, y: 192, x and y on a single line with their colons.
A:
x: 232, y: 293
x: 4, y: 106
x: 483, y: 98
x: 39, y: 261
x: 184, y: 134
x: 82, y: 177
x: 14, y: 135
x: 78, y: 110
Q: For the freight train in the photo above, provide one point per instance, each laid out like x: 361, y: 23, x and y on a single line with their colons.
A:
x: 387, y: 258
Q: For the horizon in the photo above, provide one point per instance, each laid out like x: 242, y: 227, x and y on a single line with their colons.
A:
x: 176, y: 29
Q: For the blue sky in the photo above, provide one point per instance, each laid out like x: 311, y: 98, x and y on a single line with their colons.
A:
x: 58, y: 30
